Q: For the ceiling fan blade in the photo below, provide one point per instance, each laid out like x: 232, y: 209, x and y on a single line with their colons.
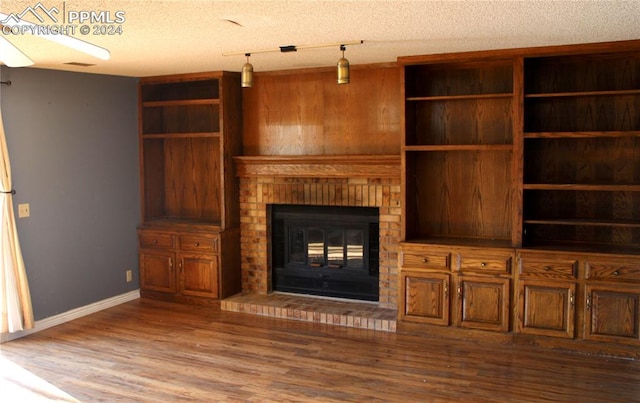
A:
x: 66, y: 40
x: 12, y: 56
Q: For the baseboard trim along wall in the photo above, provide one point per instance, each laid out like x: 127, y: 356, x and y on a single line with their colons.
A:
x: 72, y: 314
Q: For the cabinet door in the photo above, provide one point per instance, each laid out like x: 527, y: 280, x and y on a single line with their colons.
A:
x: 483, y: 303
x: 425, y: 297
x: 199, y: 275
x: 613, y: 314
x: 547, y: 308
x: 156, y: 271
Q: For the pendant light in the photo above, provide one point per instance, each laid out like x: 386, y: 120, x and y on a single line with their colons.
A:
x: 343, y: 68
x: 246, y: 77
x: 343, y: 71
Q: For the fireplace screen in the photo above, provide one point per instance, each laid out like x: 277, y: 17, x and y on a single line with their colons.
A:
x: 326, y: 251
x: 327, y: 247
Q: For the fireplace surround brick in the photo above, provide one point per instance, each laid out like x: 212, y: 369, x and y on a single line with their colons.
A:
x: 257, y: 192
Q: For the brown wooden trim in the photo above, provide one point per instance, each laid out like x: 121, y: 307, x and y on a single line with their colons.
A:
x: 517, y: 161
x: 320, y: 166
x: 572, y: 49
x: 188, y: 76
x: 328, y: 69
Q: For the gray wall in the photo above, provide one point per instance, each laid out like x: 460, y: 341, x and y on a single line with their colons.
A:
x: 72, y: 140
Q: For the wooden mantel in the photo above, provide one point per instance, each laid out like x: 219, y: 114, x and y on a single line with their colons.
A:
x: 320, y: 166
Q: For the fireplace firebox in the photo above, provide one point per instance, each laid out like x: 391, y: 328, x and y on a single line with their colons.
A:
x: 327, y: 251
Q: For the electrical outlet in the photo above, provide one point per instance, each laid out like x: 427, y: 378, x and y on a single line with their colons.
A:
x: 23, y: 210
x: 129, y: 276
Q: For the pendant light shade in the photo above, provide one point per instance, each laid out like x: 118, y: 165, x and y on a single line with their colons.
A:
x: 246, y: 77
x: 343, y: 68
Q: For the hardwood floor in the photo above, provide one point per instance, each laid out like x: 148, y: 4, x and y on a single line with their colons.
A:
x: 161, y: 352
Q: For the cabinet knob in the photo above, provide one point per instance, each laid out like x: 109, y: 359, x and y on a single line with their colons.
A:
x: 616, y: 273
x: 155, y: 241
x: 547, y: 268
x: 197, y: 244
x: 483, y: 264
x: 425, y: 260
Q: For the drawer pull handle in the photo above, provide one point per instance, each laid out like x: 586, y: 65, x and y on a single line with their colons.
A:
x: 425, y: 260
x: 571, y: 296
x: 547, y: 268
x: 446, y: 289
x: 616, y: 273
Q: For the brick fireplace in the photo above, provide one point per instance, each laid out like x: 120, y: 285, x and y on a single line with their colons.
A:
x: 361, y: 181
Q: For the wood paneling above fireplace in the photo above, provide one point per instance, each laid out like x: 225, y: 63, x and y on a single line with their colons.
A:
x: 305, y: 112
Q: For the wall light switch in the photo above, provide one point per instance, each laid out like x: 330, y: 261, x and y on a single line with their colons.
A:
x: 129, y: 276
x: 23, y: 210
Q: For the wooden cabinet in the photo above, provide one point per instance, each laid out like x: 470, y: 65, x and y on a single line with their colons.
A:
x: 179, y: 265
x: 426, y: 297
x: 189, y: 131
x: 483, y: 288
x: 589, y: 296
x: 198, y: 275
x: 157, y: 271
x: 157, y: 261
x: 483, y: 303
x: 612, y: 295
x: 460, y: 287
x: 612, y: 314
x: 533, y: 151
x: 425, y: 284
x: 198, y: 265
x: 547, y: 308
x: 546, y: 295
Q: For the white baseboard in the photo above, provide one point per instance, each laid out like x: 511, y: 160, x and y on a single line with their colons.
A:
x: 72, y: 314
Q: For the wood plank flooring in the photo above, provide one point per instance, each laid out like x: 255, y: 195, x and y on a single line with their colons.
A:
x: 148, y: 351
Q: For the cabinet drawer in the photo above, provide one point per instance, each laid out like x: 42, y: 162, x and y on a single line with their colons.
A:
x: 612, y: 271
x: 428, y: 259
x: 542, y: 268
x: 200, y: 243
x: 157, y: 240
x: 499, y: 264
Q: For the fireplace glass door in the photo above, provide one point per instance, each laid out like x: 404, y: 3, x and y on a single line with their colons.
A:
x: 334, y: 248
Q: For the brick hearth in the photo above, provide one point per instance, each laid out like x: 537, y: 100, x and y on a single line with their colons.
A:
x: 323, y: 311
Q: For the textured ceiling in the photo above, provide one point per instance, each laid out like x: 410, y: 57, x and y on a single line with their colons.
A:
x: 167, y: 37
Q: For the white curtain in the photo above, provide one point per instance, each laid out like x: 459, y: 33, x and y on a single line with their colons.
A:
x: 15, y: 299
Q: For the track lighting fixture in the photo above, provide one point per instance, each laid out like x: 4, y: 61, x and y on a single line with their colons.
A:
x: 246, y: 77
x: 343, y: 70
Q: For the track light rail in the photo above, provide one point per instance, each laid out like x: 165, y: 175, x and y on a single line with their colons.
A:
x: 293, y: 48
